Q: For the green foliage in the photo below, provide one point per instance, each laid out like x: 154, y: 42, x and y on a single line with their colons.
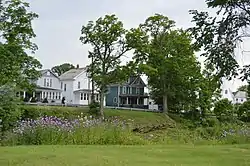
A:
x: 219, y: 35
x: 166, y: 55
x: 9, y: 109
x: 243, y: 88
x: 60, y: 69
x: 94, y: 108
x: 244, y: 109
x: 223, y: 108
x: 16, y: 35
x: 108, y: 40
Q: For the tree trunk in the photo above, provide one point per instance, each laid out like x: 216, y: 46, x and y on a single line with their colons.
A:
x: 165, y: 103
x: 102, y: 104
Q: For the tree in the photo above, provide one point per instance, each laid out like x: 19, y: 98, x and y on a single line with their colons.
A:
x: 60, y: 69
x: 108, y: 40
x: 219, y: 35
x: 166, y: 56
x: 223, y: 107
x: 16, y: 33
x: 17, y: 68
x: 243, y: 88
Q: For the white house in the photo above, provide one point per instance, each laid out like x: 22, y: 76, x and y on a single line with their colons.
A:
x: 76, y: 87
x: 48, y: 86
x: 240, y: 97
x: 235, y: 97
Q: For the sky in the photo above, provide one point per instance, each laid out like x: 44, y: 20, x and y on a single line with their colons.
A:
x: 59, y: 24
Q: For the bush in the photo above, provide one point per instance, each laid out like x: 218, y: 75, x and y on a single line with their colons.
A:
x: 94, y: 108
x: 33, y: 100
x: 223, y: 107
x: 82, y: 131
x: 10, y: 111
x: 45, y: 100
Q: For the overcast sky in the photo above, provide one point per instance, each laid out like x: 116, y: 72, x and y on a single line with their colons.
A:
x: 60, y: 21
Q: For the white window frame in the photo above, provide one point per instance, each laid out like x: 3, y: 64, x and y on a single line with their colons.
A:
x: 124, y: 90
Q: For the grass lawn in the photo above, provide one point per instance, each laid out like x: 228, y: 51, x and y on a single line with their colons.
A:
x: 235, y: 155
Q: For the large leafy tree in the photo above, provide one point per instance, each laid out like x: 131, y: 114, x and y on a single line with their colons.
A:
x: 108, y: 40
x: 166, y: 56
x: 16, y: 33
x: 60, y: 69
x: 17, y: 68
x: 219, y: 35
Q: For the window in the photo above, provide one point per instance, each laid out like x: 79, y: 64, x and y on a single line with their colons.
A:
x: 65, y: 87
x: 61, y: 85
x: 47, y: 82
x: 79, y: 85
x: 81, y: 96
x: 137, y: 90
x: 226, y: 91
x: 124, y: 90
x: 241, y: 100
x: 85, y: 96
x: 48, y: 73
x: 115, y: 100
x: 44, y: 82
x: 50, y: 83
x: 236, y: 99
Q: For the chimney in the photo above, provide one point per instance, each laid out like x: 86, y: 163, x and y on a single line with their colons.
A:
x: 77, y: 66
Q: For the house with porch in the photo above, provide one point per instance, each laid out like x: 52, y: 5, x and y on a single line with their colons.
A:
x: 129, y: 94
x: 47, y: 86
x: 76, y: 87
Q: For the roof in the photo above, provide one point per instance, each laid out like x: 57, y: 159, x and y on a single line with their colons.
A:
x: 46, y: 70
x: 71, y: 74
x: 241, y: 94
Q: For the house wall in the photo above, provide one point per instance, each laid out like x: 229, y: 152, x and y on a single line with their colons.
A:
x: 239, y: 100
x: 68, y: 94
x: 112, y: 93
x: 55, y: 81
x: 84, y: 82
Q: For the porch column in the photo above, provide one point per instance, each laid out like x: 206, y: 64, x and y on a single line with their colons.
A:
x: 34, y: 94
x: 127, y: 101
x: 137, y: 100
x: 42, y: 95
x: 24, y: 94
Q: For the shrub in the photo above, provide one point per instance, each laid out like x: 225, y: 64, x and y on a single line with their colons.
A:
x: 33, y: 100
x: 223, y: 107
x: 87, y: 131
x: 10, y: 111
x: 45, y: 100
x: 94, y: 108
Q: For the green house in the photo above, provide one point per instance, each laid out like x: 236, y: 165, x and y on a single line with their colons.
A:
x: 129, y: 94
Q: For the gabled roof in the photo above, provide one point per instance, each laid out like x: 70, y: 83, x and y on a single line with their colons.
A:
x: 44, y: 71
x: 240, y: 94
x: 72, y: 74
x: 137, y: 80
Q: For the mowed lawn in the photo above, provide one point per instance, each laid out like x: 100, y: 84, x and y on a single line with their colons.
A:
x: 125, y: 155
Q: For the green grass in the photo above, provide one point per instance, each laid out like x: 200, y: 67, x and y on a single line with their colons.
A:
x: 125, y: 155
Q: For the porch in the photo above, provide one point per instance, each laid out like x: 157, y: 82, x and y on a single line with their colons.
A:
x: 137, y: 101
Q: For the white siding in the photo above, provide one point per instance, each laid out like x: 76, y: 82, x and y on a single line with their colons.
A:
x: 84, y: 82
x: 55, y: 82
x: 68, y: 94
